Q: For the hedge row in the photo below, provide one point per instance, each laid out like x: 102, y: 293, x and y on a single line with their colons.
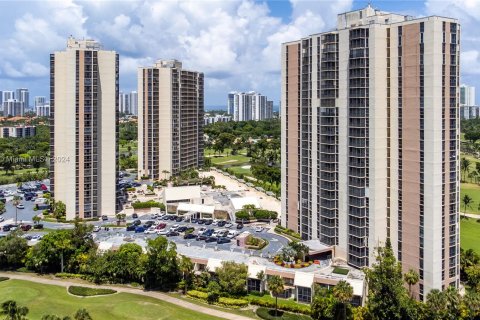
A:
x: 222, y: 301
x: 88, y: 292
x: 296, y: 308
x: 289, y: 232
x: 258, y: 214
x: 65, y: 275
x: 4, y: 279
x: 269, y: 314
x: 148, y: 204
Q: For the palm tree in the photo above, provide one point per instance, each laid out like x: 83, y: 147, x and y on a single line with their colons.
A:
x: 436, y: 303
x: 343, y: 292
x: 261, y: 277
x: 465, y: 166
x: 82, y: 314
x: 411, y: 278
x: 12, y: 311
x: 16, y: 202
x: 467, y: 202
x: 473, y: 176
x: 185, y: 266
x: 275, y: 285
x: 62, y: 244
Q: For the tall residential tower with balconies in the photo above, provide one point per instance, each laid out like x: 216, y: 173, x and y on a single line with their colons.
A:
x: 370, y: 141
x: 84, y: 128
x: 170, y: 119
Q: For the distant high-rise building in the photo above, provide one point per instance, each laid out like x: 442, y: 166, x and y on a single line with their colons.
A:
x: 217, y: 118
x: 23, y: 95
x: 467, y: 95
x: 170, y: 119
x: 7, y: 95
x: 43, y: 110
x: 245, y: 106
x: 124, y: 103
x: 40, y: 101
x: 133, y: 103
x: 84, y: 128
x: 14, y: 108
x: 370, y: 143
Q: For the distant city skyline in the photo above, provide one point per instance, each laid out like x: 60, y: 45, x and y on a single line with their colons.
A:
x: 237, y: 46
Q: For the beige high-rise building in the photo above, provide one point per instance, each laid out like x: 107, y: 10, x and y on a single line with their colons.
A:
x: 84, y: 128
x: 170, y: 119
x: 370, y: 141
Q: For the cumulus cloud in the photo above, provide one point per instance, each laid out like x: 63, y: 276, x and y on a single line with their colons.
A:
x: 235, y: 43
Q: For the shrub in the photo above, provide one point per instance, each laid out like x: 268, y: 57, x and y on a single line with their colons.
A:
x: 144, y: 177
x: 282, y: 304
x: 212, y: 297
x: 232, y: 303
x: 131, y: 189
x: 269, y: 314
x: 264, y: 214
x: 88, y: 292
x: 65, y: 275
x: 242, y: 214
x: 4, y: 279
x: 197, y: 294
x: 148, y: 204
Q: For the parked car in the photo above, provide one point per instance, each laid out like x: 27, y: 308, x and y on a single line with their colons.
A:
x: 38, y: 226
x: 194, y: 220
x: 222, y: 223
x: 2, y: 219
x: 201, y: 221
x: 175, y: 227
x: 151, y: 230
x: 228, y: 225
x: 201, y: 237
x: 179, y: 219
x: 20, y: 206
x: 135, y: 216
x: 148, y: 224
x: 258, y: 229
x: 161, y: 226
x: 7, y: 227
x: 131, y: 227
x: 104, y: 218
x: 239, y: 226
x: 139, y: 229
x: 223, y: 240
x: 172, y: 234
x: 189, y: 229
x: 208, y: 222
x: 97, y: 228
x: 162, y: 232
x: 181, y: 229
x: 232, y: 234
x: 189, y: 236
x: 137, y: 222
x: 211, y: 239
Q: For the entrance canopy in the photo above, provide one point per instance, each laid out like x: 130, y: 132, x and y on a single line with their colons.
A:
x: 204, y: 210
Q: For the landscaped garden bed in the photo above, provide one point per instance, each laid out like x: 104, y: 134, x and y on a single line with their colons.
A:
x: 89, y: 292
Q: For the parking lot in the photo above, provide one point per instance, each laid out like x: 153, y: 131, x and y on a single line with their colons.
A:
x: 275, y: 242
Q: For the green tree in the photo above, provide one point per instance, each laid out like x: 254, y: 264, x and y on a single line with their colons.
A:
x: 82, y: 314
x: 185, y: 265
x: 473, y: 276
x: 12, y: 311
x: 16, y: 201
x: 411, y: 278
x: 36, y: 219
x: 13, y: 250
x: 2, y: 207
x: 60, y: 209
x: 343, y: 292
x: 161, y: 268
x: 232, y: 277
x: 467, y: 203
x: 276, y: 287
x: 386, y: 293
x: 324, y: 304
x: 464, y: 166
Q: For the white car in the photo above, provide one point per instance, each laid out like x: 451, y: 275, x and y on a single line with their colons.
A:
x: 215, y: 222
x: 150, y: 230
x: 13, y: 228
x: 228, y: 225
x: 174, y: 227
x: 232, y: 234
x: 163, y: 232
x: 258, y: 229
x: 96, y: 229
x: 20, y: 206
x: 2, y: 219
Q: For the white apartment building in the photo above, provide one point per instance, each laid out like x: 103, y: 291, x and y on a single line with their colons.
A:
x: 245, y: 106
x: 14, y: 108
x: 84, y: 128
x: 467, y: 95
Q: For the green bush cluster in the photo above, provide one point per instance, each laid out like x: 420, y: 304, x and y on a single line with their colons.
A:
x: 4, y: 279
x: 232, y: 303
x: 66, y: 275
x: 258, y: 214
x: 269, y: 314
x: 197, y: 294
x: 131, y: 189
x: 223, y: 301
x: 289, y: 232
x: 282, y: 305
x: 88, y: 292
x: 148, y: 204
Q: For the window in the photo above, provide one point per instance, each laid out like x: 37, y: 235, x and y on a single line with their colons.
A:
x: 304, y: 294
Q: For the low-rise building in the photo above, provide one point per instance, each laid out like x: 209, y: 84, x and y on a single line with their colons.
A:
x: 17, y: 132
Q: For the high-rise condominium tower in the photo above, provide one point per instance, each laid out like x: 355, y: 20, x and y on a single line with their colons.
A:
x: 245, y: 106
x: 370, y: 141
x: 467, y: 95
x: 23, y: 95
x: 84, y: 128
x: 170, y: 119
x: 133, y: 103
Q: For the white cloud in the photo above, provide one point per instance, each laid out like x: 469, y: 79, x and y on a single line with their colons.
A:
x: 236, y: 43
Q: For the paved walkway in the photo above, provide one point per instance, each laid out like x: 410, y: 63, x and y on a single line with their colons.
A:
x: 152, y: 294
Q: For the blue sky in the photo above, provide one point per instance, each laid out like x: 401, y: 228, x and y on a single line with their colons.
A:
x: 236, y: 43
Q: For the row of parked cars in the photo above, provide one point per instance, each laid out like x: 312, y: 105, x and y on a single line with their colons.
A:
x: 23, y: 227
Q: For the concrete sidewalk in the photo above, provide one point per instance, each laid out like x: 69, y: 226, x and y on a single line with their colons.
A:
x: 152, y: 294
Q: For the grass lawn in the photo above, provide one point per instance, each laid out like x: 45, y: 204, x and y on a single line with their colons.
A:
x: 231, y: 160
x: 44, y: 299
x: 133, y: 146
x: 469, y: 234
x: 19, y: 172
x: 473, y: 190
x: 241, y: 170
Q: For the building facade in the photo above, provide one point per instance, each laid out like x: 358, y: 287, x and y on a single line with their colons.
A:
x: 133, y: 103
x: 84, y: 128
x: 170, y: 119
x: 217, y: 118
x: 370, y: 141
x: 246, y: 106
x: 18, y: 132
x: 23, y: 95
x: 13, y: 108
